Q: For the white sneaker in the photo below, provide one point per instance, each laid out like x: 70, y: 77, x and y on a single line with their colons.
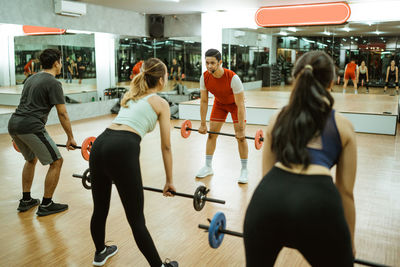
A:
x: 243, y: 177
x: 355, y: 91
x: 204, y: 172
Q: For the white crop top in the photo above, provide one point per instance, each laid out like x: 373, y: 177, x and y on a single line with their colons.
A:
x: 139, y: 115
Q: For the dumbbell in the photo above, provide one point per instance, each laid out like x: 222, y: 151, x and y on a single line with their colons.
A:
x: 217, y: 229
x: 186, y: 129
x: 199, y: 197
x: 85, y: 147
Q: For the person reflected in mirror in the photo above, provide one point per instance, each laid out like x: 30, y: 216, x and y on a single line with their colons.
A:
x: 392, y: 76
x: 350, y: 73
x: 362, y: 76
x: 81, y: 67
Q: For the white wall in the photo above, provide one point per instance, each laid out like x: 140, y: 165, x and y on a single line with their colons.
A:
x: 211, y: 34
x: 97, y: 18
x: 105, y: 62
x: 7, y: 62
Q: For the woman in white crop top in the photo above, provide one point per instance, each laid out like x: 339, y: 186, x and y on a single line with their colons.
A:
x: 114, y: 158
x: 362, y: 76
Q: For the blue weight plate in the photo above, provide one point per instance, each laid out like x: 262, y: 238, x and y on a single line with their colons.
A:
x: 214, y: 236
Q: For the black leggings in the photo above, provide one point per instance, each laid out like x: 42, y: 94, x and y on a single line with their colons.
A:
x: 362, y: 77
x: 298, y: 211
x: 115, y: 157
x: 391, y: 82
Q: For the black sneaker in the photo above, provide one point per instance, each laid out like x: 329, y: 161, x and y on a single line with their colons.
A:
x: 101, y: 258
x: 51, y: 208
x: 25, y: 205
x: 168, y: 263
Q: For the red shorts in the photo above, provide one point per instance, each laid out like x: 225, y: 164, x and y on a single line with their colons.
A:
x: 220, y: 111
x: 350, y: 75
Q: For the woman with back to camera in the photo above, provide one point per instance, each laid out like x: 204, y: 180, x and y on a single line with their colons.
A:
x: 297, y: 204
x: 115, y: 155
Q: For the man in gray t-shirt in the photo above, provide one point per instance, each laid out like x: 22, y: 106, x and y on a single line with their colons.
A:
x: 26, y: 126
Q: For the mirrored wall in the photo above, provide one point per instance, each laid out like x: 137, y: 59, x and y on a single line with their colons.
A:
x: 186, y: 53
x: 78, y: 53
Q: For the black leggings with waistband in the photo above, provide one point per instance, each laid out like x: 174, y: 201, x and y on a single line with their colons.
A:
x: 298, y: 211
x: 114, y: 158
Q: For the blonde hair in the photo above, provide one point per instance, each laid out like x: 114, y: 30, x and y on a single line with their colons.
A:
x: 150, y: 73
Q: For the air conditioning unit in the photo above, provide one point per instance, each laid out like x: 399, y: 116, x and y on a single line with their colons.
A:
x: 69, y: 8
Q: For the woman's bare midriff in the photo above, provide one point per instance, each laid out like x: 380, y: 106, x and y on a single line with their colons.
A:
x: 122, y: 127
x: 312, y: 169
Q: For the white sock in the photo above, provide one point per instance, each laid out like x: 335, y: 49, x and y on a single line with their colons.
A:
x: 244, y: 163
x: 209, y: 160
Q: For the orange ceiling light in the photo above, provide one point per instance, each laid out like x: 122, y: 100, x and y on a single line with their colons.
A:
x: 37, y: 30
x: 303, y: 15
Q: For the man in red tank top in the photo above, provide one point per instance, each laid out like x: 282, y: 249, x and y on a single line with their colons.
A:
x: 136, y: 69
x: 350, y: 73
x: 228, y: 93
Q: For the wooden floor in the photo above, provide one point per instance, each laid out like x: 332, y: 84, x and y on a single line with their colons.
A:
x: 353, y: 103
x: 64, y: 239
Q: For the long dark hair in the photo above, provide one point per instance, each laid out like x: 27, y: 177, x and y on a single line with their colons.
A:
x: 309, y: 107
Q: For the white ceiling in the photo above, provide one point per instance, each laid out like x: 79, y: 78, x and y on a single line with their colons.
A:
x: 350, y: 29
x: 169, y: 7
x: 172, y: 7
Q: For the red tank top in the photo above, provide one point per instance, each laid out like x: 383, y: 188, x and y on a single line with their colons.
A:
x: 220, y: 87
x: 351, y: 67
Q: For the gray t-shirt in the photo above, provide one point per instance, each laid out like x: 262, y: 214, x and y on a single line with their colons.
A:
x: 41, y: 92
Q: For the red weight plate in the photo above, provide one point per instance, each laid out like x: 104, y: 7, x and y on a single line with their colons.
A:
x: 86, y: 147
x: 259, y: 139
x: 184, y: 131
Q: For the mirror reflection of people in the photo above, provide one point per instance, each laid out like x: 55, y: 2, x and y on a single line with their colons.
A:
x: 362, y: 75
x: 136, y: 68
x: 81, y: 67
x: 350, y: 73
x: 68, y: 70
x: 175, y: 71
x: 31, y: 68
x: 74, y: 68
x: 392, y: 76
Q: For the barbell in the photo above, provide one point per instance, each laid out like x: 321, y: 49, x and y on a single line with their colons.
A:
x: 217, y: 229
x: 85, y: 147
x: 186, y: 129
x: 199, y: 197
